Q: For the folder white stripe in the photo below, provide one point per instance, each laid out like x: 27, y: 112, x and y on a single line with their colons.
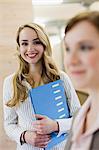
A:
x: 58, y: 104
x: 55, y: 85
x: 62, y: 116
x: 60, y: 109
x: 57, y: 91
x: 58, y: 97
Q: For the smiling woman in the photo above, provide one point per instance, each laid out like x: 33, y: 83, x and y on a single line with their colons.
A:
x: 36, y: 67
x: 31, y: 48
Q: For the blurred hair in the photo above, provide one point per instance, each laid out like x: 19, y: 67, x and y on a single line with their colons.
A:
x: 90, y: 16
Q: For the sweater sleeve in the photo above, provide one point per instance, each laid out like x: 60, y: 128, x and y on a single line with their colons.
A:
x: 73, y: 103
x: 10, y: 116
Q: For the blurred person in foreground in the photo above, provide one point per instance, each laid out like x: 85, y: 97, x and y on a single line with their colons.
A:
x: 82, y: 62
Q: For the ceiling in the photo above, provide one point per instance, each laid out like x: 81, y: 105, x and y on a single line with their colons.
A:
x: 54, y: 17
x: 83, y: 2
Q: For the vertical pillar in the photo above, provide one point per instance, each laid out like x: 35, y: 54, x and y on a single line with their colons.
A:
x: 12, y: 14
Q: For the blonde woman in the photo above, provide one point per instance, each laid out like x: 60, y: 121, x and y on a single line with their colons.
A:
x: 82, y: 62
x: 36, y: 68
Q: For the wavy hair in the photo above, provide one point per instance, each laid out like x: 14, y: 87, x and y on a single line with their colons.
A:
x: 49, y: 70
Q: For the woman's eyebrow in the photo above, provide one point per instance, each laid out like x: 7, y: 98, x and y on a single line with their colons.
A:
x: 32, y: 40
x: 24, y: 40
x: 84, y: 41
x: 35, y: 39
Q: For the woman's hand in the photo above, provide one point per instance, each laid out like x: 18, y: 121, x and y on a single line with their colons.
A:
x: 37, y: 140
x: 44, y: 125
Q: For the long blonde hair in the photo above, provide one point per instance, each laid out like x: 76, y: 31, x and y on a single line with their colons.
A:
x: 49, y: 73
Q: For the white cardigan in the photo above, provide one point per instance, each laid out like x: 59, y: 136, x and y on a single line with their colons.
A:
x: 18, y: 119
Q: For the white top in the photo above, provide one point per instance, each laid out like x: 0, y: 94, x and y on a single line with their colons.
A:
x: 19, y: 119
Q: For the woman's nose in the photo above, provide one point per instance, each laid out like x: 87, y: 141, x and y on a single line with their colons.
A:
x: 30, y: 46
x: 74, y: 58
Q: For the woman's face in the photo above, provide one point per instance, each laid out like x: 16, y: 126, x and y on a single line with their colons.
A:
x: 81, y: 57
x: 31, y: 48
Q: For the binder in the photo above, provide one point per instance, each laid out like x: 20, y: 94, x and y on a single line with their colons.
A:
x: 50, y: 100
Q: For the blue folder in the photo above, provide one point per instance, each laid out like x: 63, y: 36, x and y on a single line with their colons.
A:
x: 50, y: 100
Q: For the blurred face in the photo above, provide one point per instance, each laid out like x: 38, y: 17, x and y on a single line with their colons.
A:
x: 81, y: 57
x: 31, y: 48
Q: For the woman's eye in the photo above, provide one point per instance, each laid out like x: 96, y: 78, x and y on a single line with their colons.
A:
x: 86, y: 47
x: 67, y: 49
x: 24, y: 44
x: 37, y: 42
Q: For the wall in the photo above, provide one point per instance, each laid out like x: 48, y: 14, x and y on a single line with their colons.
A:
x: 12, y: 14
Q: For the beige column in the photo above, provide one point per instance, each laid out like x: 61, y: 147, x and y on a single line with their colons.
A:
x: 12, y: 14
